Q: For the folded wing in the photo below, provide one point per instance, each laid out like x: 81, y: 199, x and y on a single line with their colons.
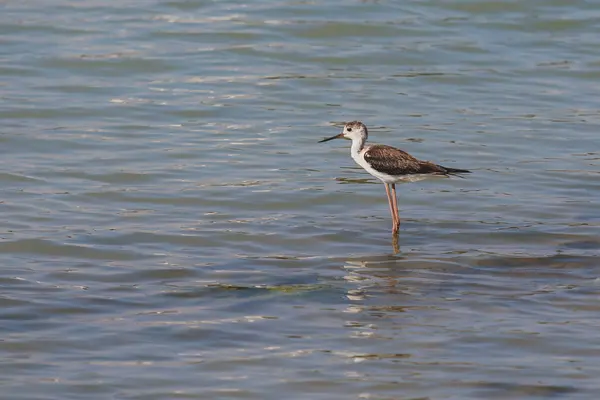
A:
x: 393, y: 161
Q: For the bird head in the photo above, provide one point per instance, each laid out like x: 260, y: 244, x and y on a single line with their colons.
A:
x: 352, y: 130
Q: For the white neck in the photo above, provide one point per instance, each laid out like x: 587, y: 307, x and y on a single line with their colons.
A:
x: 357, y: 146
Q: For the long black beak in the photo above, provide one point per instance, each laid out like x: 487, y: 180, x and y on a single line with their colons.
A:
x: 341, y: 135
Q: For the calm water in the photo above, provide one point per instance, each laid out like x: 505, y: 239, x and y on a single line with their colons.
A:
x: 172, y: 230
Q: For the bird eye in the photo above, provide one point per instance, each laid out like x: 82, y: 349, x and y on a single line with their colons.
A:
x: 349, y: 129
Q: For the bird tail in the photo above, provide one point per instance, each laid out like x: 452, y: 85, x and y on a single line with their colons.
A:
x: 455, y: 171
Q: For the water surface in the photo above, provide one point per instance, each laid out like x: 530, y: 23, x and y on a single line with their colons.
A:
x: 172, y: 228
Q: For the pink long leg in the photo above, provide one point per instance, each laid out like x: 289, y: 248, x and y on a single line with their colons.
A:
x: 391, y: 204
x: 396, y: 212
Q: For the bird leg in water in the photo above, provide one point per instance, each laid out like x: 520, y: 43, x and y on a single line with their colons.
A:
x: 395, y: 244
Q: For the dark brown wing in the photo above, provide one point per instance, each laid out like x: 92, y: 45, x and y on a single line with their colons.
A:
x: 393, y: 161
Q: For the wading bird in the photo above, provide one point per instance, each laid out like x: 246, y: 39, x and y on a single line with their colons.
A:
x: 389, y: 164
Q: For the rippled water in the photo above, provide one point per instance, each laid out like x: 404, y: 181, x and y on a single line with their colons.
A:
x: 171, y: 228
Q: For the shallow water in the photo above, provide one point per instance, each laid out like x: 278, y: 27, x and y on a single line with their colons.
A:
x: 172, y: 228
